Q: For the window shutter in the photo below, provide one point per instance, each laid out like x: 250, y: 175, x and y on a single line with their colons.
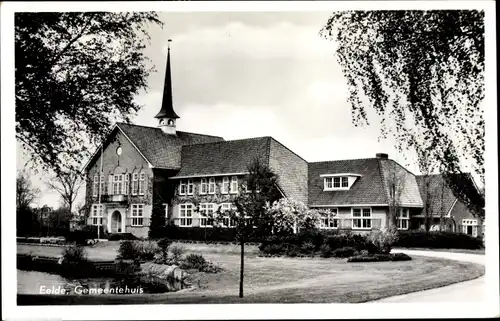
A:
x: 110, y: 185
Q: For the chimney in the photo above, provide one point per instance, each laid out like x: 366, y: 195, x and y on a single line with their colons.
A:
x: 382, y: 155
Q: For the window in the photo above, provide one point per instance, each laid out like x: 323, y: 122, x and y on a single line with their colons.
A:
x: 96, y: 186
x: 361, y: 218
x: 186, y: 215
x: 403, y: 218
x: 96, y: 214
x: 227, y: 221
x: 206, y: 214
x: 182, y: 187
x: 203, y: 186
x: 469, y: 227
x: 135, y: 183
x: 190, y: 187
x: 126, y: 184
x: 330, y: 220
x: 336, y: 182
x: 103, y: 185
x: 234, y: 184
x: 166, y: 212
x: 137, y: 214
x: 118, y: 184
x: 225, y: 185
x: 142, y: 183
x: 211, y: 185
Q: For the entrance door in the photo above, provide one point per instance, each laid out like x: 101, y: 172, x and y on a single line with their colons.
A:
x: 116, y: 222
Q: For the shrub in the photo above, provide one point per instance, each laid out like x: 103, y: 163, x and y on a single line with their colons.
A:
x: 308, y: 248
x: 74, y: 254
x: 128, y: 251
x: 380, y: 258
x: 122, y: 236
x: 146, y: 249
x: 325, y: 250
x: 344, y: 252
x: 194, y: 261
x: 383, y: 239
x: 177, y: 252
x: 437, y: 239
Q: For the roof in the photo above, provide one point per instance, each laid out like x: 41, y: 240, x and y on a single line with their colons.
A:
x: 371, y: 188
x: 225, y: 157
x: 441, y: 197
x: 160, y: 150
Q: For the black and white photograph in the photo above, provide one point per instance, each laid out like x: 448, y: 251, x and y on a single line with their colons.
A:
x: 201, y: 159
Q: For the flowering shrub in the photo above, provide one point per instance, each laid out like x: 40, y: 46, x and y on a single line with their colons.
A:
x: 289, y: 215
x: 383, y: 239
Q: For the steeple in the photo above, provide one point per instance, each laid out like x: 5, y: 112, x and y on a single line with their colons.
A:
x: 167, y: 116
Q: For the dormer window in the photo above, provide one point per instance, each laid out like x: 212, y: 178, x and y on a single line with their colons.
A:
x: 334, y: 182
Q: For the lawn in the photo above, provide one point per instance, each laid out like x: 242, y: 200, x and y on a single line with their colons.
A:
x: 466, y: 251
x: 281, y: 280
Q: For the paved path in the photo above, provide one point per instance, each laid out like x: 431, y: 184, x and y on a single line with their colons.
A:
x: 469, y: 291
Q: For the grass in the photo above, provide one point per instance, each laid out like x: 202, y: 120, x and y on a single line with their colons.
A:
x: 466, y: 251
x: 285, y: 280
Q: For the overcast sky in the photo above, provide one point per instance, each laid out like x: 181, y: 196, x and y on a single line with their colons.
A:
x: 250, y: 74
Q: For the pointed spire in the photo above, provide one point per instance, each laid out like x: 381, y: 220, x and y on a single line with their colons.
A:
x: 167, y: 108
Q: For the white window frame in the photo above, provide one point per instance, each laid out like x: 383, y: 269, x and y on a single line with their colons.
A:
x: 211, y: 185
x: 233, y: 189
x: 190, y: 187
x: 330, y: 182
x: 95, y: 187
x: 103, y: 185
x: 187, y: 208
x: 117, y: 184
x: 96, y: 215
x: 203, y: 186
x: 126, y: 183
x: 226, y: 183
x: 327, y: 221
x: 470, y: 222
x: 135, y: 183
x: 166, y: 212
x: 226, y: 219
x: 137, y: 214
x: 142, y: 183
x: 205, y: 209
x: 362, y: 219
x: 403, y: 218
x: 182, y: 187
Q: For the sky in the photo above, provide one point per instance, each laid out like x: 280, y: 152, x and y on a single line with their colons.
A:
x: 250, y: 74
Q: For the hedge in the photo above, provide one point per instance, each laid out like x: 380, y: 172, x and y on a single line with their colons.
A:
x: 437, y: 239
x: 210, y: 234
x: 379, y: 258
x: 310, y: 242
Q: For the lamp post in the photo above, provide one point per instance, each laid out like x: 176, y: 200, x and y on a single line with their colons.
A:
x: 100, y: 192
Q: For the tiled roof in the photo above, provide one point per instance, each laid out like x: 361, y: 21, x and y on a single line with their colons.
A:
x: 367, y: 189
x: 160, y: 149
x: 370, y: 188
x: 441, y: 198
x: 394, y: 172
x: 223, y: 157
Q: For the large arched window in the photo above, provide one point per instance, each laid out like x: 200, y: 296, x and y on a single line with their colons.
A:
x: 142, y: 183
x: 135, y: 183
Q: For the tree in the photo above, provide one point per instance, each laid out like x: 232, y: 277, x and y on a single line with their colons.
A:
x: 422, y: 72
x: 76, y: 73
x: 25, y: 193
x: 67, y: 183
x: 290, y: 216
x: 396, y: 180
x: 158, y: 219
x: 250, y: 213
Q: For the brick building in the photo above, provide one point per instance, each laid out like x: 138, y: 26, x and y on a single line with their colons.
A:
x: 139, y: 165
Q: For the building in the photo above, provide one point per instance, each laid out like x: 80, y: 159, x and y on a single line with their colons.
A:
x: 142, y: 165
